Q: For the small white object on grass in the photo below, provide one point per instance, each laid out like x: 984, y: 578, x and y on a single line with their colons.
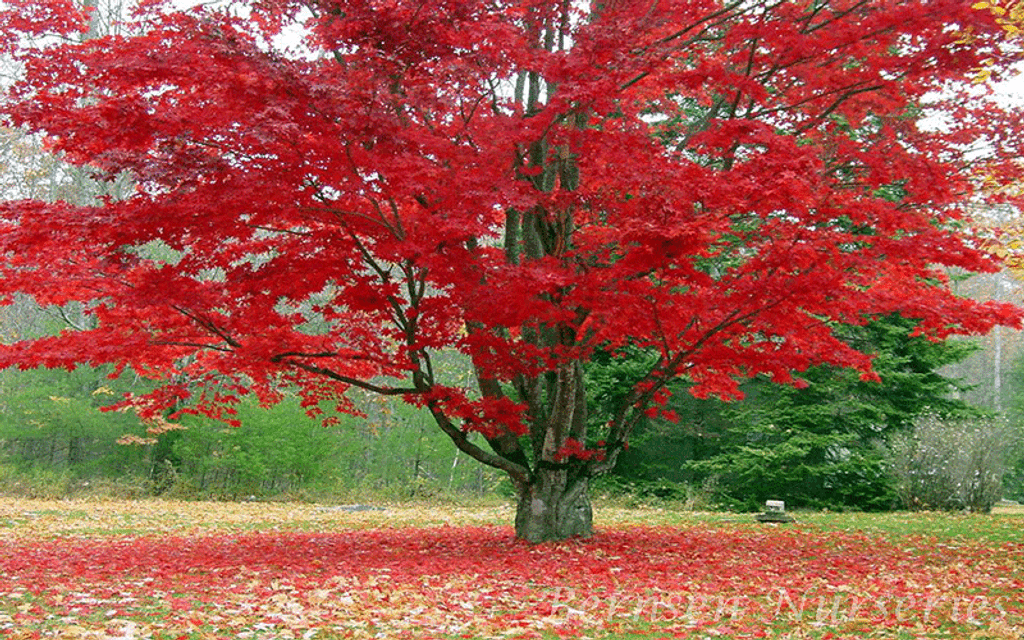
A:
x: 775, y: 511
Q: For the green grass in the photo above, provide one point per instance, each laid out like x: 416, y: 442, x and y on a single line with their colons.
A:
x: 155, y: 516
x: 1001, y: 526
x: 995, y: 528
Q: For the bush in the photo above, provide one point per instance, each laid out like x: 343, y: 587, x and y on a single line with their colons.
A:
x: 951, y: 465
x: 633, y: 492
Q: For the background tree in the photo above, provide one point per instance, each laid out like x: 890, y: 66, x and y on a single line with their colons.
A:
x: 1013, y: 479
x: 827, y: 444
x: 529, y: 182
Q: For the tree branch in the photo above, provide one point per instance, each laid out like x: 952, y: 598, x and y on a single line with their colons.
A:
x: 355, y: 382
x: 519, y: 473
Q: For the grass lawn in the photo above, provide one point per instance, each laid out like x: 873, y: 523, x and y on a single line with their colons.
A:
x: 160, y: 569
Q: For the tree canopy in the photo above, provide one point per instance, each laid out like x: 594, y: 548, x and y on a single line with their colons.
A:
x: 328, y: 193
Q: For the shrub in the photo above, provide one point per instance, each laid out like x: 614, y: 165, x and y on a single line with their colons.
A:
x: 950, y: 464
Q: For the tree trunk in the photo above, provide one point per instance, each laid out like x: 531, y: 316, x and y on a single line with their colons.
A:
x: 553, y: 507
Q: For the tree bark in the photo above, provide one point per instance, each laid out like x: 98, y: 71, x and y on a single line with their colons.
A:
x: 554, y: 506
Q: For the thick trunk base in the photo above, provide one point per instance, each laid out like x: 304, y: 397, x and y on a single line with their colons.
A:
x: 551, y: 509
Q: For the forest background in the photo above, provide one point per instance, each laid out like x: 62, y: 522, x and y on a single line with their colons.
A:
x: 943, y: 430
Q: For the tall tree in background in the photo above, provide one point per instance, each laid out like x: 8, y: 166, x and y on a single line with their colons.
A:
x: 348, y: 187
x: 827, y: 444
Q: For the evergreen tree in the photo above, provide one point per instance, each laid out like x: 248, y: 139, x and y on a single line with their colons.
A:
x: 819, y: 443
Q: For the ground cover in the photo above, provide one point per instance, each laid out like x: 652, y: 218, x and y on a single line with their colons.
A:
x: 161, y: 570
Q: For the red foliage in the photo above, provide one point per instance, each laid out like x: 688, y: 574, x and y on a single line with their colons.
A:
x: 575, y: 450
x: 718, y: 183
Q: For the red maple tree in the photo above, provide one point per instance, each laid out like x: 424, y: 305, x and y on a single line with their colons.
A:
x: 328, y: 193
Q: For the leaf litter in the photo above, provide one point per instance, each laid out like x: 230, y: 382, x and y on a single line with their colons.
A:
x: 186, y: 570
